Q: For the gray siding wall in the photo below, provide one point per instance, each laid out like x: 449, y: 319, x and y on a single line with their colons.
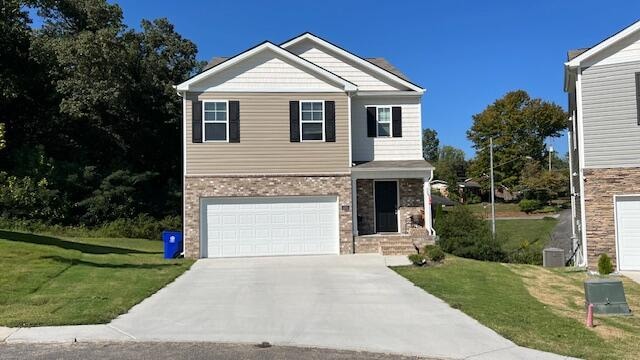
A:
x: 264, y: 146
x: 611, y: 130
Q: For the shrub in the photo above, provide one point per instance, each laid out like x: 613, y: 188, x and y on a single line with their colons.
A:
x: 605, y: 266
x: 529, y: 205
x: 417, y: 259
x: 434, y: 253
x: 465, y: 235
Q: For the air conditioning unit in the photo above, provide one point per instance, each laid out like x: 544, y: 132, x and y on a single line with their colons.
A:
x: 553, y: 257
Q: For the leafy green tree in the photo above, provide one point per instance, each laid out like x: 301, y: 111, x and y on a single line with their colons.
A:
x: 538, y: 183
x: 430, y: 145
x: 451, y: 166
x: 519, y: 126
x: 93, y: 100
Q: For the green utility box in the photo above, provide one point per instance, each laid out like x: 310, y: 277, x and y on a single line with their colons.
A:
x: 607, y: 296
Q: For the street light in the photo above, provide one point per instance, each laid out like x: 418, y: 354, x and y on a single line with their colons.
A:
x: 493, y: 191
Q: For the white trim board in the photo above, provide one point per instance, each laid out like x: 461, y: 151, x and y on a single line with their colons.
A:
x: 267, y: 46
x: 629, y: 30
x: 360, y: 61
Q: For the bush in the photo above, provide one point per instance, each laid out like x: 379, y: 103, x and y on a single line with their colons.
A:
x: 434, y: 253
x: 529, y: 205
x: 416, y: 259
x: 462, y: 234
x: 143, y: 227
x: 605, y: 266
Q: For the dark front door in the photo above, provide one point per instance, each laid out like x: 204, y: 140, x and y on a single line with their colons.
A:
x: 386, y: 194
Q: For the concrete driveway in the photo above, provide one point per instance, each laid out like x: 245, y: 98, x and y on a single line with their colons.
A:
x: 337, y: 302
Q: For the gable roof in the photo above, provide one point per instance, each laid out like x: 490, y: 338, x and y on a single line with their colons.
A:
x: 266, y: 45
x: 372, y: 66
x: 379, y: 61
x: 604, y: 44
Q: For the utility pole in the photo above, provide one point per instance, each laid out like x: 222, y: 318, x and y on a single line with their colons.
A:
x: 550, y: 151
x: 493, y: 192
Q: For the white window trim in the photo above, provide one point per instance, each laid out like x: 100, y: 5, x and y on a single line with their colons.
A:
x: 204, y: 138
x: 390, y: 121
x: 312, y: 121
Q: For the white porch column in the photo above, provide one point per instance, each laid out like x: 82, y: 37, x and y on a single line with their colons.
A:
x: 354, y: 206
x: 426, y: 190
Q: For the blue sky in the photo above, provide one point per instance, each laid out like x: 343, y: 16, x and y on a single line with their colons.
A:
x: 465, y: 53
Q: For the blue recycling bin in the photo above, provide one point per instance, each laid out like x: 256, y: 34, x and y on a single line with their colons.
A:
x: 172, y: 244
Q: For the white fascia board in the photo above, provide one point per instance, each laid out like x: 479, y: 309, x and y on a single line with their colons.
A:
x: 391, y: 93
x: 348, y: 86
x: 603, y: 45
x: 364, y: 63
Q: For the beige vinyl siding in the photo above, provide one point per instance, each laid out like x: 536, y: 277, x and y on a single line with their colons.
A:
x: 610, y: 118
x: 264, y: 146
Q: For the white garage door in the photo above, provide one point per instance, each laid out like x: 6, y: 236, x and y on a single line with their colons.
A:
x: 263, y: 226
x: 628, y: 232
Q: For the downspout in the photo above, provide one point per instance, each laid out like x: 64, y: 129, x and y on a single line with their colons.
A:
x: 183, y: 95
x: 428, y: 217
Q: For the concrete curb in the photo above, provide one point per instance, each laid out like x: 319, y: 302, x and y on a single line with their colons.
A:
x: 5, y: 332
x: 67, y: 334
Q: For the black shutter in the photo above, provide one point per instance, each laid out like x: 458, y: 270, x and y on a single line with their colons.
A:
x: 294, y: 121
x: 234, y: 121
x: 371, y: 121
x: 396, y: 118
x: 330, y: 121
x: 196, y: 121
x: 638, y: 96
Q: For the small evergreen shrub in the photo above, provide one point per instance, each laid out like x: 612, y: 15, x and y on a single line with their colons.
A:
x: 605, y: 266
x: 529, y: 205
x: 434, y: 253
x: 417, y: 259
x: 463, y: 234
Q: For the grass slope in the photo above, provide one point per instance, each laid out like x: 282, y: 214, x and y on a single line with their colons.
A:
x: 47, y: 280
x: 532, y: 306
x: 534, y: 231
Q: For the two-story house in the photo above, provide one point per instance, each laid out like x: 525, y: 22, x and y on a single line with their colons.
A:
x: 603, y: 84
x: 303, y: 148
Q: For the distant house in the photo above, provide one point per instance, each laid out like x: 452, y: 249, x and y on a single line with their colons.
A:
x: 603, y: 87
x: 467, y: 189
x: 441, y: 187
x: 505, y: 194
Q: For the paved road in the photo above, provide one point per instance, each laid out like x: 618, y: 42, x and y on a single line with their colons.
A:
x: 178, y: 351
x: 332, y: 302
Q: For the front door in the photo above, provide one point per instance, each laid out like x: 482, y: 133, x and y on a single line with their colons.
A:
x: 386, y: 204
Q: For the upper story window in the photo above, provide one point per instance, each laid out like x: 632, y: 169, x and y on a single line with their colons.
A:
x: 384, y: 121
x: 312, y: 120
x: 216, y: 121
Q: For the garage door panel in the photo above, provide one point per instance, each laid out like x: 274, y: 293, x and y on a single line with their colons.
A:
x: 628, y: 232
x: 270, y: 226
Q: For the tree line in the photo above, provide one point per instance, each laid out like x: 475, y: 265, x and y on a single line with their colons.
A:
x: 519, y: 126
x: 89, y: 120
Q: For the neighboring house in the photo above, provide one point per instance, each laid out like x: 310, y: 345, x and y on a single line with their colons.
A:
x: 440, y: 186
x: 469, y: 188
x: 303, y: 148
x: 603, y: 84
x: 505, y: 194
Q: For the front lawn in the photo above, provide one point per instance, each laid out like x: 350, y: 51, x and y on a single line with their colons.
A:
x: 536, y: 232
x: 532, y: 306
x: 46, y: 280
x: 507, y: 210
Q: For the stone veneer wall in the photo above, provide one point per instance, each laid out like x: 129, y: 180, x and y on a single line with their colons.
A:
x: 197, y: 187
x: 600, y: 186
x: 411, y: 203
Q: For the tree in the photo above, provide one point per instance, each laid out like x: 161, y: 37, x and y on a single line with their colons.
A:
x: 519, y: 126
x: 90, y: 111
x: 430, y: 145
x: 450, y: 166
x: 538, y: 183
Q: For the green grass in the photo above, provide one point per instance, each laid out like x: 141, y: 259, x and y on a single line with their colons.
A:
x: 532, y: 306
x: 46, y: 280
x: 506, y: 210
x: 534, y: 231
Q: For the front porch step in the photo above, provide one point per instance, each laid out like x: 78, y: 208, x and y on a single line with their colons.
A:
x: 404, y: 249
